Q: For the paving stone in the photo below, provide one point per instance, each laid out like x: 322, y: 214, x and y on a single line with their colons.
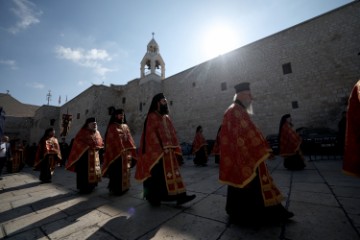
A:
x: 189, y: 227
x: 76, y: 223
x: 13, y: 213
x: 271, y: 232
x: 31, y: 220
x: 315, y: 198
x: 143, y: 219
x: 324, y: 200
x: 121, y: 205
x: 350, y: 205
x: 314, y: 222
x: 347, y: 191
x: 90, y: 233
x: 311, y: 187
x: 33, y: 234
x: 206, y: 208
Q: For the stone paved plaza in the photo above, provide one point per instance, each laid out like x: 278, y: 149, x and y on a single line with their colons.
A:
x: 326, y: 204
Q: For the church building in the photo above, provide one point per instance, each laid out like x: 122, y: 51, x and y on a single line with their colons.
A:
x: 307, y: 70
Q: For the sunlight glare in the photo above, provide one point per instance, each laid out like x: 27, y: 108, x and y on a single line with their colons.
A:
x: 219, y: 39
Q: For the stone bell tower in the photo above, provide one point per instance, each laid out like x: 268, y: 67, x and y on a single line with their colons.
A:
x: 152, y: 65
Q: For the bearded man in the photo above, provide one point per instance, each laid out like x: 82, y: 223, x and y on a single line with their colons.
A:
x: 157, y: 166
x: 84, y: 157
x: 252, y: 196
x: 120, y: 152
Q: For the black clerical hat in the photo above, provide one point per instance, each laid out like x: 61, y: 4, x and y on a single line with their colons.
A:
x: 245, y: 86
x: 90, y: 120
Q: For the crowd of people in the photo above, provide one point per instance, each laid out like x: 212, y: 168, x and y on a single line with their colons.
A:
x: 15, y: 154
x: 240, y: 150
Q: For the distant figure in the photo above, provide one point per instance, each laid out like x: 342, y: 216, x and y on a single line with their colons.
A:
x: 289, y: 144
x: 48, y: 155
x: 351, y: 164
x: 342, y: 132
x: 2, y: 122
x: 64, y: 147
x: 31, y: 154
x: 252, y: 196
x: 17, y: 162
x: 158, y: 167
x: 199, y: 148
x: 120, y: 149
x: 5, y: 152
x: 84, y: 157
x: 216, y: 149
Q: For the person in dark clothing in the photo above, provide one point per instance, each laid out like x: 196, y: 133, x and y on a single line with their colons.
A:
x: 120, y: 150
x: 64, y: 147
x: 5, y: 152
x: 158, y: 166
x: 199, y: 148
x: 84, y: 157
x: 289, y: 144
x: 48, y: 155
x: 252, y: 195
x: 351, y: 161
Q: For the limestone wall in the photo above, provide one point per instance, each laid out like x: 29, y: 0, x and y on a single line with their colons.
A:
x: 323, y: 54
x: 42, y: 121
x: 94, y: 102
x: 324, y: 57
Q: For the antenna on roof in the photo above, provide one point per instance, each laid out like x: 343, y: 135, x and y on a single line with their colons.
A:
x: 48, y: 97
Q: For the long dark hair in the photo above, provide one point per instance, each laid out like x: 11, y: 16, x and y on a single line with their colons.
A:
x: 116, y: 112
x: 46, y: 133
x: 153, y: 107
x: 114, y: 119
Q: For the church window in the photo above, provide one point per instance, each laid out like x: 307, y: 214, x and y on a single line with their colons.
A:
x: 171, y: 103
x: 86, y: 111
x: 140, y: 107
x: 286, y: 68
x: 78, y: 116
x: 223, y: 86
x: 148, y: 64
x: 124, y: 100
x: 294, y: 104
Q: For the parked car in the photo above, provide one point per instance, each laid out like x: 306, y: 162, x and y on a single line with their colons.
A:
x: 319, y: 141
x: 273, y: 140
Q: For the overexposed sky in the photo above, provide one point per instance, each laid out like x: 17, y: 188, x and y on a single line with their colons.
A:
x: 66, y: 46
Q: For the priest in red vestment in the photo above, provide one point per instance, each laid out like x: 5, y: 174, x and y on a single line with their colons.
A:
x: 84, y: 157
x: 351, y: 163
x: 158, y: 167
x: 252, y: 195
x: 48, y: 155
x: 199, y: 148
x: 120, y: 151
x: 289, y: 144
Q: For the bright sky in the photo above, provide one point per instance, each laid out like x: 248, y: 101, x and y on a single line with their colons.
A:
x: 65, y: 46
